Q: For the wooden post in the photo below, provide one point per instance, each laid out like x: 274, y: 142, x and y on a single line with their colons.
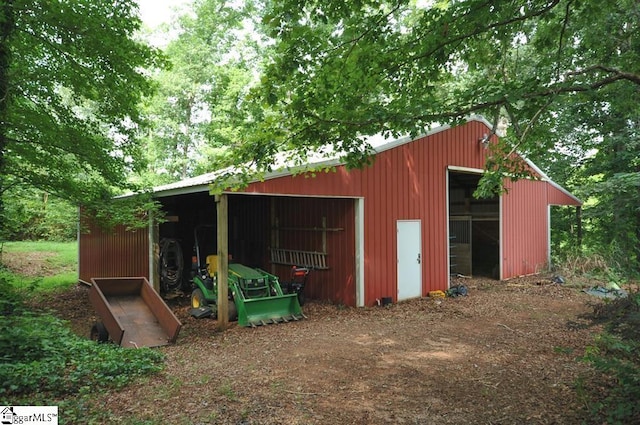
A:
x: 154, y: 251
x: 223, y: 260
x: 324, y: 234
x: 275, y: 231
x: 579, y: 225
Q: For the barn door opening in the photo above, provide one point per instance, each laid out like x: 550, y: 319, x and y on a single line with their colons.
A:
x: 474, y: 228
x: 409, y: 259
x: 460, y: 252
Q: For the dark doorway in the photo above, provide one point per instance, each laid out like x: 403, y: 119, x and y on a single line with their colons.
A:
x: 474, y: 228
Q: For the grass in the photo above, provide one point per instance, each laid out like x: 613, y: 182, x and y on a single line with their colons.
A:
x: 66, y: 253
x: 41, y: 360
x: 61, y: 265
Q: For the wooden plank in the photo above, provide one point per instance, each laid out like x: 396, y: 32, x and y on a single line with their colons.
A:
x: 222, y: 207
x: 154, y: 251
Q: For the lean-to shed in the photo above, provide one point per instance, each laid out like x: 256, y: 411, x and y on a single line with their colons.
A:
x: 398, y: 229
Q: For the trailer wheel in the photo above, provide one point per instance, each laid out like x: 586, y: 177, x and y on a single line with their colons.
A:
x: 99, y: 332
x: 197, y: 299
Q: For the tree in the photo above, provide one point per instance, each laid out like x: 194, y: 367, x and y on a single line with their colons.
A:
x: 613, y: 177
x: 344, y: 70
x: 200, y: 108
x: 31, y: 214
x: 71, y: 78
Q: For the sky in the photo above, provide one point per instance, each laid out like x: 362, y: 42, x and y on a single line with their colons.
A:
x: 156, y: 12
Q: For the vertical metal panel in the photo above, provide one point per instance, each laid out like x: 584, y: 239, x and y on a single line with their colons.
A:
x: 524, y: 227
x: 404, y: 183
x: 300, y: 223
x: 359, y: 245
x: 115, y: 253
x: 556, y: 196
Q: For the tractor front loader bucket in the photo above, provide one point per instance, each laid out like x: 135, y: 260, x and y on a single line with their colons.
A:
x: 259, y: 299
x: 268, y: 310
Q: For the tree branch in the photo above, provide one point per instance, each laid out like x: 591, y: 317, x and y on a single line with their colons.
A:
x: 622, y: 75
x: 502, y: 101
x: 486, y: 28
x: 565, y: 22
x: 84, y: 69
x: 355, y: 40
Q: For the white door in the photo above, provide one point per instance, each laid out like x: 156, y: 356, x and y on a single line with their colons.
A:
x: 409, y: 259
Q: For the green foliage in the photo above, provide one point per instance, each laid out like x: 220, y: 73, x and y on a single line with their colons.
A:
x: 39, y: 353
x: 65, y: 253
x: 40, y: 286
x: 132, y: 212
x: 58, y: 270
x: 599, y: 163
x: 201, y: 107
x: 340, y: 70
x: 616, y: 354
x: 9, y: 298
x: 31, y: 214
x: 69, y: 92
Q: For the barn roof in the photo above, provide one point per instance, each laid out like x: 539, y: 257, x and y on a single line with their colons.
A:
x: 283, y: 167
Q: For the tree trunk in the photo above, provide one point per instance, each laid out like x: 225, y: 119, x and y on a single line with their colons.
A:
x: 7, y: 26
x: 637, y: 228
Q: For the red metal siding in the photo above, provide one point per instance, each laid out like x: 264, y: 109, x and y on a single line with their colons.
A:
x: 119, y: 253
x: 299, y: 221
x: 407, y: 182
x: 525, y: 224
x: 558, y: 197
x: 404, y: 183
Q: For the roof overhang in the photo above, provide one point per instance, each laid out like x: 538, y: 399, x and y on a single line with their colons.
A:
x: 202, y: 183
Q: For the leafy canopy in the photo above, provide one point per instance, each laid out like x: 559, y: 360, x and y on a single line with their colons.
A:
x: 71, y: 78
x: 201, y: 107
x: 344, y: 70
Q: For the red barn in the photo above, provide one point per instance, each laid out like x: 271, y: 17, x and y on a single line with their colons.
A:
x: 398, y: 229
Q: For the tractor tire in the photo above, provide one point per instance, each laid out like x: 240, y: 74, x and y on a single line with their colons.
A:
x: 99, y: 333
x: 301, y: 298
x: 197, y: 299
x: 233, y: 311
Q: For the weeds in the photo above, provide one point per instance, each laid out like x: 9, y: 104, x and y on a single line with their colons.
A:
x: 40, y: 354
x: 226, y: 390
x: 616, y: 355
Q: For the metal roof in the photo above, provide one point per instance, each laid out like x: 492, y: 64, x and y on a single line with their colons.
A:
x: 284, y: 167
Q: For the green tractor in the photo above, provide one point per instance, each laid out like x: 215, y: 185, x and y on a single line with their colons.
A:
x: 255, y: 296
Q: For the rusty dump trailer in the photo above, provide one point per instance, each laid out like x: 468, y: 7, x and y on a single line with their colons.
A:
x: 132, y: 313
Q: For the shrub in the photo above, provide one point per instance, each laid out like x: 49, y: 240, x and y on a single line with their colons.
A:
x: 616, y: 354
x: 39, y: 352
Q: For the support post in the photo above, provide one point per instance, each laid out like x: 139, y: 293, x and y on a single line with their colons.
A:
x: 154, y: 251
x: 579, y: 225
x: 223, y: 260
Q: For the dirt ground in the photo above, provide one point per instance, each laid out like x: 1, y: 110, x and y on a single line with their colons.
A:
x: 31, y: 264
x: 504, y: 354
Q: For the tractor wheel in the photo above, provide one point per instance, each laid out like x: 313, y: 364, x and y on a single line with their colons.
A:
x: 197, y: 299
x: 99, y: 333
x: 301, y: 297
x: 233, y: 311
